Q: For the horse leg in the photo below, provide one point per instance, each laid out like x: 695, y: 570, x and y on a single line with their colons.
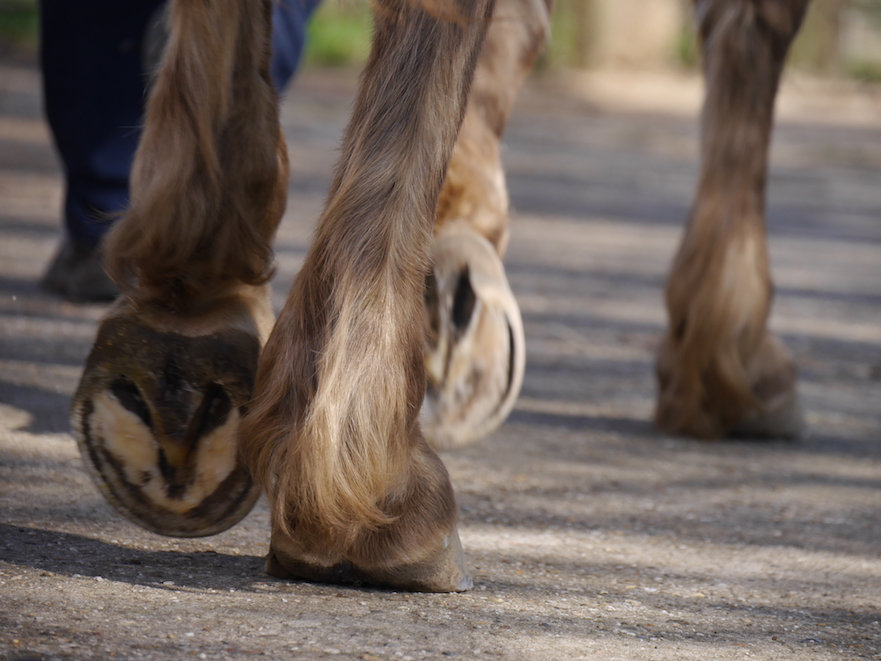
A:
x: 356, y: 493
x: 474, y: 334
x: 720, y: 371
x: 156, y: 413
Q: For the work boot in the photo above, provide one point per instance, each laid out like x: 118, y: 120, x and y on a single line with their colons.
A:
x: 76, y: 274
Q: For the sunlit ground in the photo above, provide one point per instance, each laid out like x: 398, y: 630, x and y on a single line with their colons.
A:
x: 588, y: 534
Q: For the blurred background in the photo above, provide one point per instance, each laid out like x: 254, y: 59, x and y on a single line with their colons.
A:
x: 841, y: 38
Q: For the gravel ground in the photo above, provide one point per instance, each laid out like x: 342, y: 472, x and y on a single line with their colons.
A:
x: 589, y: 535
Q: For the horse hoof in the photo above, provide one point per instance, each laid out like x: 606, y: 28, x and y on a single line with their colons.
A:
x: 156, y: 413
x: 783, y: 418
x: 475, y: 347
x: 443, y: 571
x: 774, y: 379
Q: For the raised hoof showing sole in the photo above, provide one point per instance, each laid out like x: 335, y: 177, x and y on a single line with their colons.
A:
x: 156, y: 413
x: 444, y: 570
x: 475, y: 348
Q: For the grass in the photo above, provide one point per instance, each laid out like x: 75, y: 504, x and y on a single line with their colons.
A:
x: 339, y: 34
x: 19, y: 25
x: 562, y: 50
x: 865, y: 72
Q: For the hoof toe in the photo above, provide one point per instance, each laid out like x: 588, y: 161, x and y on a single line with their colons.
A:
x: 781, y: 418
x: 773, y: 376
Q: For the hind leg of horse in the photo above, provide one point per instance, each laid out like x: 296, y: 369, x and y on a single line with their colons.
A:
x: 157, y: 411
x: 720, y: 371
x: 474, y: 334
x: 333, y: 436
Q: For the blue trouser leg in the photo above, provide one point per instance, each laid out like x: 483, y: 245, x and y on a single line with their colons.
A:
x: 95, y: 88
x: 288, y: 37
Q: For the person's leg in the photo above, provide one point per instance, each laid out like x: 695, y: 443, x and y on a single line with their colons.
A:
x: 94, y: 89
x: 289, y: 19
x: 95, y: 85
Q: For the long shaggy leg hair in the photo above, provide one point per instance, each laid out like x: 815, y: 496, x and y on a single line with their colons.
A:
x: 157, y: 411
x: 333, y: 436
x: 719, y: 369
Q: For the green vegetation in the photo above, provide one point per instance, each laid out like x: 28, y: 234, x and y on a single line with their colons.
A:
x: 19, y: 25
x: 339, y: 33
x: 687, y: 54
x: 867, y: 72
x: 817, y: 47
x: 567, y: 46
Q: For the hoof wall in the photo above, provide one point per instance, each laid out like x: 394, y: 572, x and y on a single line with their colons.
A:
x: 475, y: 347
x: 783, y: 419
x: 443, y: 571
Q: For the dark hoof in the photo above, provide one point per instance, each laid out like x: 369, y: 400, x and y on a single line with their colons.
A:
x: 475, y: 347
x: 443, y: 570
x: 157, y: 412
x: 774, y: 381
x: 783, y: 419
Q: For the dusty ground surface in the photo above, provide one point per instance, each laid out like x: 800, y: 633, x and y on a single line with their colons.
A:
x: 588, y: 534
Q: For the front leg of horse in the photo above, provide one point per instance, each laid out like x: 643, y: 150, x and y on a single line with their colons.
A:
x: 720, y: 371
x: 357, y: 495
x: 157, y: 411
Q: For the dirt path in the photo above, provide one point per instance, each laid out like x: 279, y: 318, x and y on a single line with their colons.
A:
x: 589, y: 535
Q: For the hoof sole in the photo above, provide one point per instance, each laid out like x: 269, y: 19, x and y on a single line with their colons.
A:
x: 156, y: 417
x: 475, y: 346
